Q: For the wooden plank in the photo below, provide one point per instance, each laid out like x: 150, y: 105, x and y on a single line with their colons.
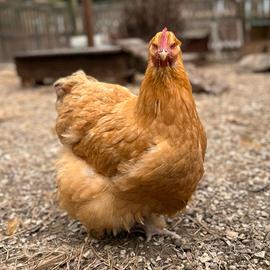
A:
x: 110, y: 65
x: 66, y: 52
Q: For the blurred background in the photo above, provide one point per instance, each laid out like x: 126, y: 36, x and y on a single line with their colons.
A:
x: 217, y: 25
x: 55, y: 30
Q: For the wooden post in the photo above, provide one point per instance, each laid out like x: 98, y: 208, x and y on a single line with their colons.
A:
x: 72, y: 7
x: 87, y: 7
x: 242, y: 13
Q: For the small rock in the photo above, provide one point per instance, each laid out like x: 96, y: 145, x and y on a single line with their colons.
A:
x: 231, y: 235
x: 140, y: 238
x: 123, y: 253
x: 132, y: 254
x: 205, y: 258
x: 188, y: 266
x: 260, y: 254
x: 242, y: 236
x: 264, y: 214
x: 158, y: 258
x: 94, y: 241
x: 259, y: 62
x: 87, y: 254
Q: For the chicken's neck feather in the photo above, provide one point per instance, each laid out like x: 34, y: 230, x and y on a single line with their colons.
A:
x: 165, y: 95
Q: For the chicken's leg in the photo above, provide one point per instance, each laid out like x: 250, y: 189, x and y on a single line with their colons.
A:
x: 155, y: 225
x: 151, y: 231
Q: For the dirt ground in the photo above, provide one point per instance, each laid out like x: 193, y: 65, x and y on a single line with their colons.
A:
x: 225, y: 226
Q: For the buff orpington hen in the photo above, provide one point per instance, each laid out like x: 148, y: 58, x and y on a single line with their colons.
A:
x: 130, y: 160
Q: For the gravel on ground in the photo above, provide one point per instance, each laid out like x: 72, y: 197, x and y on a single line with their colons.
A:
x: 225, y: 226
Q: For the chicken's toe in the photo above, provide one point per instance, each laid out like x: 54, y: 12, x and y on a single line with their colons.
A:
x: 151, y: 231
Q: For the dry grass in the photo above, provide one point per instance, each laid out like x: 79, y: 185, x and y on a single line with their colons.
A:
x: 226, y: 225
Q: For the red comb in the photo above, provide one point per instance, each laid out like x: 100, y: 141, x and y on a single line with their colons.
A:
x: 164, y: 38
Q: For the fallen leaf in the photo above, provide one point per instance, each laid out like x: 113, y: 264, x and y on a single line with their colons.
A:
x: 12, y: 226
x: 248, y: 142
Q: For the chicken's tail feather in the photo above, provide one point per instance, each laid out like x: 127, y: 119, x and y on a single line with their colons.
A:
x: 64, y: 85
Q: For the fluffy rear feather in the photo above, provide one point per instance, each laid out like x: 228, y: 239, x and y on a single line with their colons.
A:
x: 92, y: 198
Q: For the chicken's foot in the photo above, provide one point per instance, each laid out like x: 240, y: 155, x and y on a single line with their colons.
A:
x: 155, y: 225
x: 151, y: 230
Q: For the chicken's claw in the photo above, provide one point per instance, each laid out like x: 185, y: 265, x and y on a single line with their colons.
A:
x: 151, y: 231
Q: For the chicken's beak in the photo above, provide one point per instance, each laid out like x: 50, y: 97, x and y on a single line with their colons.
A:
x: 163, y: 54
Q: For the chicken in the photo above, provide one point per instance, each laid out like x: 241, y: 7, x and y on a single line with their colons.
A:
x: 130, y: 160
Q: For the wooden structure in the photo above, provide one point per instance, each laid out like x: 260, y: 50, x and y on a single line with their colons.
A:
x: 25, y: 26
x: 110, y: 64
x: 195, y: 41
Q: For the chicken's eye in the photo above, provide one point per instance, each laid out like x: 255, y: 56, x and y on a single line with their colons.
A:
x: 173, y: 46
x: 155, y: 46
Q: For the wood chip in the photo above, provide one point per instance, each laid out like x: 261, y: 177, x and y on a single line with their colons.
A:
x: 12, y: 226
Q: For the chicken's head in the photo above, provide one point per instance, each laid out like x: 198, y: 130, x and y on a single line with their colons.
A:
x: 164, y: 49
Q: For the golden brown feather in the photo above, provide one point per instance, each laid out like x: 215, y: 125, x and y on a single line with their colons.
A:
x: 129, y: 159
